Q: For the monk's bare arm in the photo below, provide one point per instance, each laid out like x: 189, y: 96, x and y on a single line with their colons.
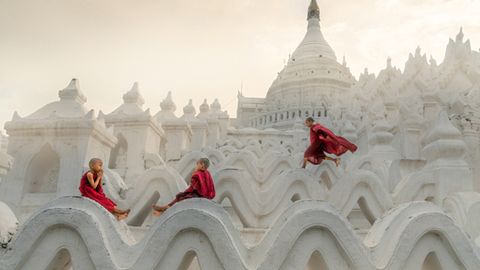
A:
x: 93, y: 182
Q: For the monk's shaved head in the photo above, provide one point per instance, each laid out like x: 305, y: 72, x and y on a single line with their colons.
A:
x: 205, y: 161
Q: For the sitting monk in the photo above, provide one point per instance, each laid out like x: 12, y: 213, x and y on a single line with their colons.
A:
x: 201, y: 186
x: 91, y: 187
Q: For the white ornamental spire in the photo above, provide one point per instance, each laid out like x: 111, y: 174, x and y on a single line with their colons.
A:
x: 72, y: 92
x: 460, y: 35
x: 133, y: 96
x: 313, y: 10
x: 167, y: 104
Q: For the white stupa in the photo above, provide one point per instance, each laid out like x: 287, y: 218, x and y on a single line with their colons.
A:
x: 311, y: 80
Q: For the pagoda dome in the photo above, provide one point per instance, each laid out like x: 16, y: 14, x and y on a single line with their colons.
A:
x: 312, y: 70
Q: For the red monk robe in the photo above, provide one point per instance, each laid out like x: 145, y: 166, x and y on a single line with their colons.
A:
x: 201, y: 186
x: 323, y: 140
x: 95, y: 194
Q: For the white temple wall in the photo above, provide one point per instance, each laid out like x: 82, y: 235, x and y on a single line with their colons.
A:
x: 213, y: 136
x: 141, y: 141
x: 199, y: 135
x: 178, y: 138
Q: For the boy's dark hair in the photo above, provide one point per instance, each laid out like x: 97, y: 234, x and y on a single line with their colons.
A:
x: 205, y: 162
x: 309, y: 119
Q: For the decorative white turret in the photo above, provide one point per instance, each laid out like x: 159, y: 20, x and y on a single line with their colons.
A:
x: 204, y: 110
x: 445, y: 152
x: 198, y: 126
x: 51, y: 148
x: 168, y: 108
x: 444, y: 143
x: 72, y: 92
x: 139, y: 135
x: 189, y: 112
x: 216, y: 107
x: 381, y: 141
x: 222, y: 116
x: 212, y: 120
x: 457, y: 50
x: 411, y: 129
x: 134, y: 96
x: 388, y: 80
x: 459, y: 66
x: 418, y: 76
x: 177, y: 131
x: 132, y: 105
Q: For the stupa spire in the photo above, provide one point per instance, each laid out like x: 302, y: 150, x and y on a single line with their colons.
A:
x: 459, y: 37
x: 72, y: 92
x: 313, y: 10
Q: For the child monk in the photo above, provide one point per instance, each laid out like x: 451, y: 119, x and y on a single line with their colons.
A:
x: 201, y: 186
x: 91, y: 187
x: 323, y: 140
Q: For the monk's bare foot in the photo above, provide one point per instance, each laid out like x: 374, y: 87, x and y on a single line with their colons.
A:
x: 121, y: 216
x: 337, y: 162
x: 157, y: 213
x: 159, y: 207
x: 122, y: 212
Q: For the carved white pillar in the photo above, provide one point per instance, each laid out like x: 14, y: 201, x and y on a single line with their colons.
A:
x: 199, y: 127
x: 445, y: 152
x: 178, y: 135
x: 411, y: 144
x: 381, y: 141
x: 140, y: 136
x: 431, y: 107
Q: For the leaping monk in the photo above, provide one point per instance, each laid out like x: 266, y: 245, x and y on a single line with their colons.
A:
x: 323, y: 140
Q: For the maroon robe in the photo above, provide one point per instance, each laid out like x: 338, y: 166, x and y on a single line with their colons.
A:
x: 201, y: 186
x: 95, y: 194
x: 323, y: 140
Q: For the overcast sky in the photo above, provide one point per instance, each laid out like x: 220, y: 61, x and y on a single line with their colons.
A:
x: 200, y: 49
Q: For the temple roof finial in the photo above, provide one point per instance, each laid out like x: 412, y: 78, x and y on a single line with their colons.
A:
x: 313, y: 10
x: 418, y: 51
x: 460, y: 35
x: 72, y: 92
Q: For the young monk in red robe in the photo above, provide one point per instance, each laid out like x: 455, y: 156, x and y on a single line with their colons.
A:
x: 323, y: 140
x: 201, y: 186
x: 91, y: 187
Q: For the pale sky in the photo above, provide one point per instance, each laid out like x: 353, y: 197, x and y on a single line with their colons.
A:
x: 201, y: 49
